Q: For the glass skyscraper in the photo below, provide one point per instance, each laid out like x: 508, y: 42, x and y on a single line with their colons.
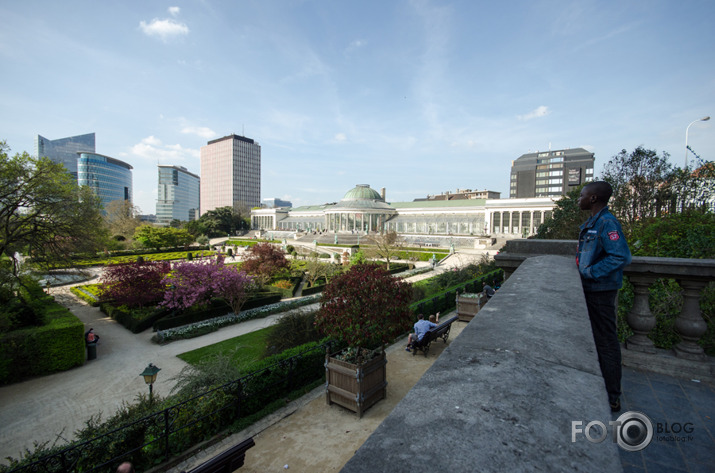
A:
x: 111, y: 179
x: 178, y: 195
x: 65, y: 150
x: 230, y: 173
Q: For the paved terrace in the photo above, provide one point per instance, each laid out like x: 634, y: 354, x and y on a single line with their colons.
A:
x: 503, y: 396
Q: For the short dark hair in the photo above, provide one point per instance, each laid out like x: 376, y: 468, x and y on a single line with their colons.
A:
x: 420, y: 316
x: 601, y: 189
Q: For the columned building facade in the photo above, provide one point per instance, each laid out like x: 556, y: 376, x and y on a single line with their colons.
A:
x: 230, y: 173
x: 364, y: 211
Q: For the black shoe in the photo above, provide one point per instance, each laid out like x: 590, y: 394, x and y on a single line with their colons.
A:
x: 616, y: 405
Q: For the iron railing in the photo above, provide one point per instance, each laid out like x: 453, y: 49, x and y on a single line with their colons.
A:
x: 155, y: 438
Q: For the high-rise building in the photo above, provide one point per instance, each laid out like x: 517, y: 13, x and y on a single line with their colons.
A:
x: 178, y: 195
x: 274, y: 203
x: 230, y: 173
x: 111, y: 179
x: 65, y: 150
x: 550, y: 173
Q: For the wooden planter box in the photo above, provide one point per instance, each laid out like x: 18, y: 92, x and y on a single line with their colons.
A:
x: 355, y: 387
x: 467, y: 307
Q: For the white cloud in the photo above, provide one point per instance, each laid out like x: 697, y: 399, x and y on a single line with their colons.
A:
x: 152, y: 149
x: 151, y: 141
x: 201, y: 131
x: 341, y: 137
x: 539, y: 112
x: 174, y: 11
x: 164, y: 29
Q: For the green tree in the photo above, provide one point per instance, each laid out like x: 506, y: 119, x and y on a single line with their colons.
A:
x: 224, y: 220
x: 641, y: 184
x: 565, y: 220
x: 43, y: 213
x: 162, y: 237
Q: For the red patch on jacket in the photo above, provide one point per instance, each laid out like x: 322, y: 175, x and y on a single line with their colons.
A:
x: 614, y: 236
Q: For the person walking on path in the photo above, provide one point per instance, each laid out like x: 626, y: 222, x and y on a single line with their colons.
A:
x: 602, y: 254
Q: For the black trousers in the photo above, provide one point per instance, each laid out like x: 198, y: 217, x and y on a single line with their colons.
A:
x: 602, y: 313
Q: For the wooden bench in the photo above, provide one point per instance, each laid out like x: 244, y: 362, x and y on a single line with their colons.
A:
x: 440, y: 331
x: 228, y: 461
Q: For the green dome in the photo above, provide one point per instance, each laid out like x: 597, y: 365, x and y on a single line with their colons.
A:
x: 362, y: 192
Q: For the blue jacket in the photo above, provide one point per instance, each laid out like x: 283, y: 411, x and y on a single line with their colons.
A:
x: 602, y: 253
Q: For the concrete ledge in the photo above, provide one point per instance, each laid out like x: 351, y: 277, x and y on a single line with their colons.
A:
x: 503, y: 395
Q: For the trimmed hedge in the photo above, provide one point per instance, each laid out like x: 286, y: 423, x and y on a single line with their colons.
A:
x: 35, y: 351
x: 218, y: 308
x: 446, y: 300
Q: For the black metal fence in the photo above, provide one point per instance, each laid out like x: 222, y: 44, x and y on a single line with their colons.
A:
x: 155, y: 438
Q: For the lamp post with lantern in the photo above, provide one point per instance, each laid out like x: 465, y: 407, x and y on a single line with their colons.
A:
x: 149, y: 375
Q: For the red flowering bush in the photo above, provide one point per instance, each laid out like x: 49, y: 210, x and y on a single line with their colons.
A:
x: 365, y: 307
x: 135, y: 284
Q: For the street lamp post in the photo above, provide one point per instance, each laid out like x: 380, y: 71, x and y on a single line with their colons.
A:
x: 704, y: 119
x: 149, y: 375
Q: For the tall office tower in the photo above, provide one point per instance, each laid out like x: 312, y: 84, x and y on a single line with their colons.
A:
x: 550, y: 173
x: 111, y: 179
x: 230, y: 173
x: 65, y: 150
x: 178, y: 195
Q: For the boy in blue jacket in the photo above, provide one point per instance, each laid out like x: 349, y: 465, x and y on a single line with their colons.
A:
x: 602, y: 254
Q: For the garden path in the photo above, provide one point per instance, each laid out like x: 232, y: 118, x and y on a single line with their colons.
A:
x: 53, y: 407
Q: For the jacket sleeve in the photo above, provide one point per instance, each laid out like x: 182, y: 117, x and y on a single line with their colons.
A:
x: 615, y: 252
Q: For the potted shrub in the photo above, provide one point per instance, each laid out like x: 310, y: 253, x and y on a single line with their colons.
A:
x: 364, y: 309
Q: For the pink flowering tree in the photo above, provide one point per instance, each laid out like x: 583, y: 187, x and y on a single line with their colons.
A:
x: 135, y: 284
x: 234, y: 286
x: 195, y: 283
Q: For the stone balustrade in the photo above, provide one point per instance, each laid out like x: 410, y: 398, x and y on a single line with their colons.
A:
x: 693, y: 275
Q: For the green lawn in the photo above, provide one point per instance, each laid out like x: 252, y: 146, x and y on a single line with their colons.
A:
x: 243, y: 349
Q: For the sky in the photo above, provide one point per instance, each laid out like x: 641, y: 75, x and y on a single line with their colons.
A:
x: 416, y: 96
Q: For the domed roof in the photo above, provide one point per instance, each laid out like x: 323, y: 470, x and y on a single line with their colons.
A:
x: 362, y: 192
x: 362, y: 199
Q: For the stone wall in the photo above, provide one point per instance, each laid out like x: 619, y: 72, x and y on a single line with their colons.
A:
x: 503, y: 395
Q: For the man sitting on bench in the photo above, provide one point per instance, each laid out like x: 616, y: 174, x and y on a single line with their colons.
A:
x: 422, y: 326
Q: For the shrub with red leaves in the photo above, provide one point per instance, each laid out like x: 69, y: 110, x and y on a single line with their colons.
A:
x: 365, y: 307
x: 135, y: 284
x: 264, y: 261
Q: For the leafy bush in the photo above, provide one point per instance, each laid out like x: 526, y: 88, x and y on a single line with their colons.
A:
x: 294, y: 328
x: 135, y: 284
x: 265, y: 261
x: 35, y: 351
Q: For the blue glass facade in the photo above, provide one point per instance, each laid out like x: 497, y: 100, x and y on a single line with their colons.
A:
x: 177, y: 196
x: 111, y: 179
x: 65, y: 150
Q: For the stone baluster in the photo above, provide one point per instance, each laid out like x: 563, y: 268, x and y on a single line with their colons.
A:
x: 690, y: 324
x: 640, y: 318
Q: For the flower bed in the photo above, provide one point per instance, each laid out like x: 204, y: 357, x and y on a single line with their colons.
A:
x: 206, y: 326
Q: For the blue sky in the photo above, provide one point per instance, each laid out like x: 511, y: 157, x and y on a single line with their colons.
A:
x: 418, y: 96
